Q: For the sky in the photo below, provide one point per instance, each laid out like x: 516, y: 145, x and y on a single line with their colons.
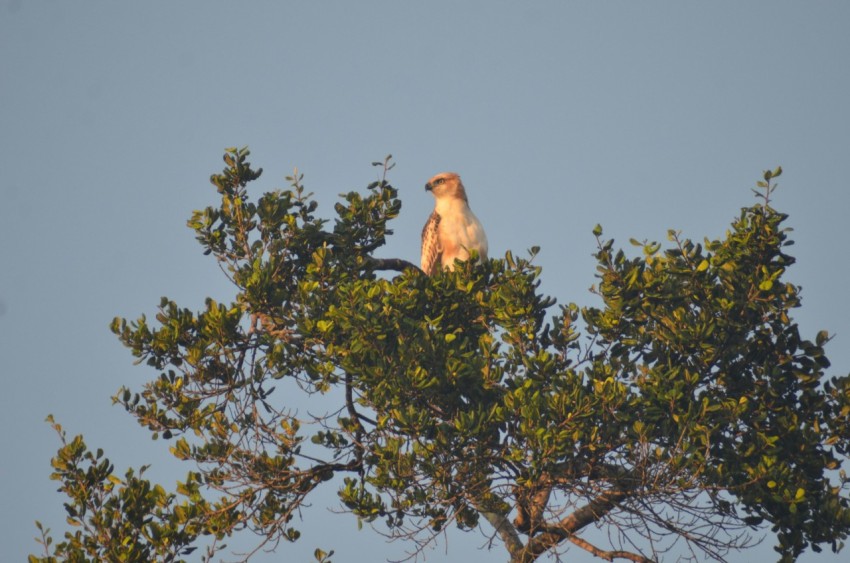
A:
x: 642, y: 117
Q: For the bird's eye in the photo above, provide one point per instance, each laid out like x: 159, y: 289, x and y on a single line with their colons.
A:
x: 438, y: 181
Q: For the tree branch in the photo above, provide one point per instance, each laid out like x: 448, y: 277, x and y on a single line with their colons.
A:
x: 530, y: 506
x: 355, y: 417
x: 394, y: 264
x: 506, y: 531
x: 608, y: 555
x: 554, y: 534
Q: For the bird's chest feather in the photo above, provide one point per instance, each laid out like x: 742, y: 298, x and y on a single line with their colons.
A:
x: 464, y: 229
x: 460, y: 230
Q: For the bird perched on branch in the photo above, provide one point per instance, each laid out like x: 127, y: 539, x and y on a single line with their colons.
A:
x: 452, y: 230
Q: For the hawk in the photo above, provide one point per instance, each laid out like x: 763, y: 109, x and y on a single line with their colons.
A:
x: 452, y: 230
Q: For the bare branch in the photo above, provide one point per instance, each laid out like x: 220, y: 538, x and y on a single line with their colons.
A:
x: 608, y: 555
x: 530, y: 507
x: 588, y: 514
x: 506, y: 531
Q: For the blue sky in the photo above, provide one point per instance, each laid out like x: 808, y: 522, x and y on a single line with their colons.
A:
x: 558, y: 115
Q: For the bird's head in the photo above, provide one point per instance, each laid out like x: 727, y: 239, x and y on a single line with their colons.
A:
x: 446, y: 185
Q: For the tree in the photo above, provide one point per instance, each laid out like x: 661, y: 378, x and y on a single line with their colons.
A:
x: 685, y: 410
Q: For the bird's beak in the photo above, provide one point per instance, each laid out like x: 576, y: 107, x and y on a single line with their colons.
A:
x: 428, y: 187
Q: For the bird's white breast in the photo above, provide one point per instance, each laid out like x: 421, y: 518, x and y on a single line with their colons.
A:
x: 460, y: 231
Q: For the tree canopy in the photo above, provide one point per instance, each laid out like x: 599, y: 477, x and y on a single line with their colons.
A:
x: 684, y: 411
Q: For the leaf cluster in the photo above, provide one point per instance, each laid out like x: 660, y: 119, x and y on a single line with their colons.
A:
x: 127, y: 519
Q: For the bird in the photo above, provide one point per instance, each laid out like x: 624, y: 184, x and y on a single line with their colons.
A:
x: 452, y: 231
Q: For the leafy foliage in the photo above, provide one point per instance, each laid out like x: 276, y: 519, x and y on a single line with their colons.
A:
x: 125, y: 519
x: 693, y: 412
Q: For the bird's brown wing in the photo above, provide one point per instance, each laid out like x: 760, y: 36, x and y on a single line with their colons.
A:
x: 431, y: 251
